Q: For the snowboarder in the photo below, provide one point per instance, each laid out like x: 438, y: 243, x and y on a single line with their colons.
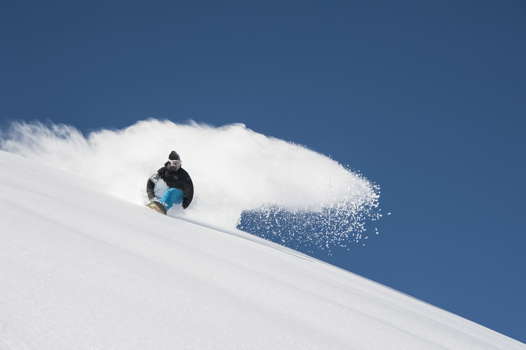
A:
x: 170, y: 185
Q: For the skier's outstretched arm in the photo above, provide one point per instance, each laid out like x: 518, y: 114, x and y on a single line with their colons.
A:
x: 150, y: 186
x: 188, y: 191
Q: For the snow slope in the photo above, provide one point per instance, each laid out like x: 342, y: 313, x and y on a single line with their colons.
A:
x: 234, y: 169
x: 84, y: 270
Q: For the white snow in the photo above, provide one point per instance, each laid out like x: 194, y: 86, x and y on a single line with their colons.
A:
x: 80, y: 269
x: 233, y: 167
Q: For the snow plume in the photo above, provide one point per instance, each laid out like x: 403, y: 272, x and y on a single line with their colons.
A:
x: 285, y: 191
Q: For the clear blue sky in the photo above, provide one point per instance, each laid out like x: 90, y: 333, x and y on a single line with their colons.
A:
x: 428, y: 99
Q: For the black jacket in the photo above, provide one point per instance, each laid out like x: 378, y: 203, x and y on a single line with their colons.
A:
x: 179, y: 179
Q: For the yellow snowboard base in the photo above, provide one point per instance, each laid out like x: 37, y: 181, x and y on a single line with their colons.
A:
x: 158, y: 207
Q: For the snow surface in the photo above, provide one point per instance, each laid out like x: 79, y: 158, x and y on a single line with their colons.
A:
x: 80, y: 269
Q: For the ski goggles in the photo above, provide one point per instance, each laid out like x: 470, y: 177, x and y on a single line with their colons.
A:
x: 174, y: 163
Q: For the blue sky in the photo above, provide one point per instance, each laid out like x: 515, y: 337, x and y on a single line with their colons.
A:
x: 426, y: 99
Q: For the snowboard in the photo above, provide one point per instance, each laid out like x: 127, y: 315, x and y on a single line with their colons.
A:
x: 158, y: 207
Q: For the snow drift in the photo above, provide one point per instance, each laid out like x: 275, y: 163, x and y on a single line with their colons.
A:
x: 81, y: 270
x: 234, y: 169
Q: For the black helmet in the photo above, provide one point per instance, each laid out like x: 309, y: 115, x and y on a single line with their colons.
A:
x: 174, y: 156
x: 174, y: 162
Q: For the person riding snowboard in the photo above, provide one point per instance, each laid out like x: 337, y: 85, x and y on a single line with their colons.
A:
x: 170, y: 185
